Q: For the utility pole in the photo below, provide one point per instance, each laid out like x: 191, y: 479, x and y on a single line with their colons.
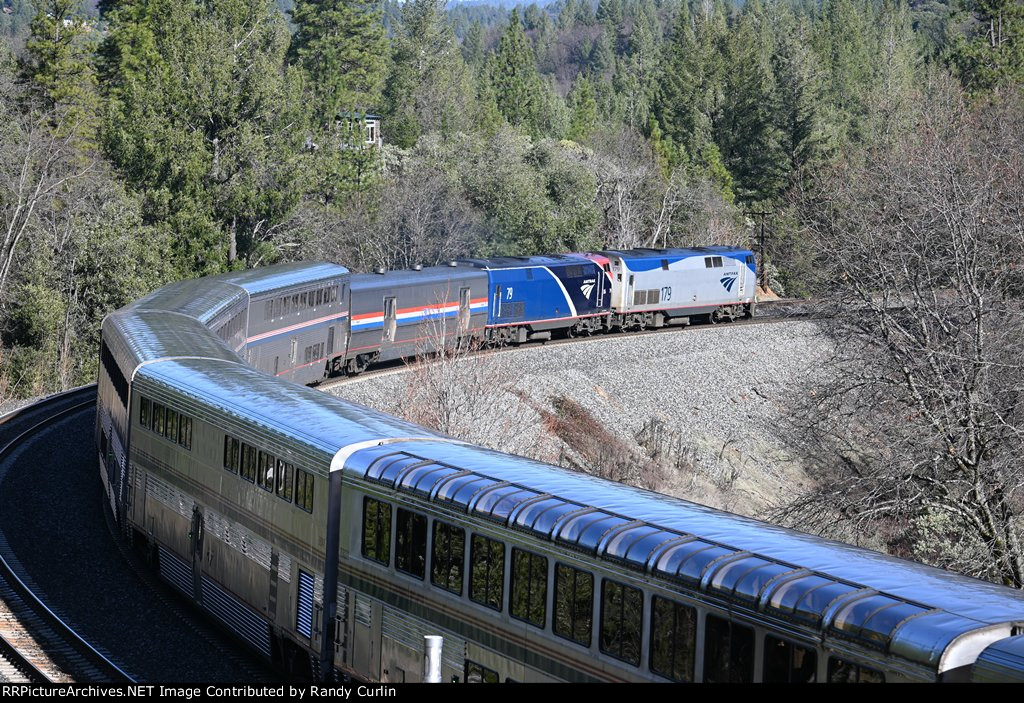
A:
x: 760, y: 246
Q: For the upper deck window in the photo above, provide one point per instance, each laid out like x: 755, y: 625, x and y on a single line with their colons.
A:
x: 377, y: 530
x: 487, y: 572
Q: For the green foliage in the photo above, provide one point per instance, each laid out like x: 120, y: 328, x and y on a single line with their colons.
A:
x: 584, y: 111
x: 206, y: 122
x: 537, y: 198
x: 990, y: 56
x: 340, y: 45
x: 58, y: 67
x: 691, y: 87
x: 519, y: 92
x: 16, y: 23
x: 747, y: 131
x: 429, y: 85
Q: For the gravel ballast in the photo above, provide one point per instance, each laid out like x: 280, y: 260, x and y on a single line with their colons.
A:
x: 706, y: 401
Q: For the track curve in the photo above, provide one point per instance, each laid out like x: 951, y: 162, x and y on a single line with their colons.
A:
x: 37, y: 641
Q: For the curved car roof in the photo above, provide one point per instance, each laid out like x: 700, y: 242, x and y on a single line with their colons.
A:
x: 886, y: 600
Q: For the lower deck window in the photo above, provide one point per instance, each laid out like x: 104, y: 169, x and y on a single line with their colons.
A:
x: 728, y: 652
x: 478, y: 673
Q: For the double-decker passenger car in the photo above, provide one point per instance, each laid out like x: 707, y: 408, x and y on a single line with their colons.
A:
x: 332, y: 538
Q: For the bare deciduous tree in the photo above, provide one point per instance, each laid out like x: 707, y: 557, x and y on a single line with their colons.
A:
x: 920, y: 432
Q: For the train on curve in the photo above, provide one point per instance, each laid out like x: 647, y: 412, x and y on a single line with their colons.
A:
x: 332, y: 538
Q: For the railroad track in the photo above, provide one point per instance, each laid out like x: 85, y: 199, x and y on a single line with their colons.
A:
x: 37, y: 645
x: 769, y: 312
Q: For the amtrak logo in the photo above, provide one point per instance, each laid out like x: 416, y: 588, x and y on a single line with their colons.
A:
x: 587, y: 289
x: 729, y: 280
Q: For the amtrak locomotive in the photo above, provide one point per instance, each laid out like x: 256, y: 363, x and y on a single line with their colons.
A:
x: 332, y: 538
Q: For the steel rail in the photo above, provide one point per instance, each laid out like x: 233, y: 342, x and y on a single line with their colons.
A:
x: 7, y: 572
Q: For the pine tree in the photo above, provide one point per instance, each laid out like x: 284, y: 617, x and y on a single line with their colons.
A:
x: 58, y: 68
x: 515, y: 79
x: 473, y: 46
x: 206, y: 123
x: 747, y: 134
x: 991, y: 56
x: 690, y: 94
x: 583, y: 109
x: 429, y: 85
x: 798, y: 91
x: 340, y: 44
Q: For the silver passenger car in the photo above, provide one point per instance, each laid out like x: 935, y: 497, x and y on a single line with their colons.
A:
x: 331, y: 537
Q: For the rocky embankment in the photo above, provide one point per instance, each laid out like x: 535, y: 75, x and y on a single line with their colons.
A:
x: 699, y: 413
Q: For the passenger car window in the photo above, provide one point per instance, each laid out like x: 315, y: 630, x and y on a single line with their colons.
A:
x: 673, y: 639
x: 574, y: 604
x: 785, y: 662
x: 529, y: 588
x: 622, y: 609
x: 411, y: 543
x: 728, y: 651
x: 487, y: 572
x: 447, y: 558
x: 377, y: 530
x: 841, y: 671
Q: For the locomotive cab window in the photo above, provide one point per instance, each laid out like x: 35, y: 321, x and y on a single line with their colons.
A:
x: 377, y: 530
x: 446, y: 561
x: 728, y: 651
x: 487, y: 572
x: 411, y: 544
x: 622, y: 610
x: 528, y: 595
x: 574, y: 604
